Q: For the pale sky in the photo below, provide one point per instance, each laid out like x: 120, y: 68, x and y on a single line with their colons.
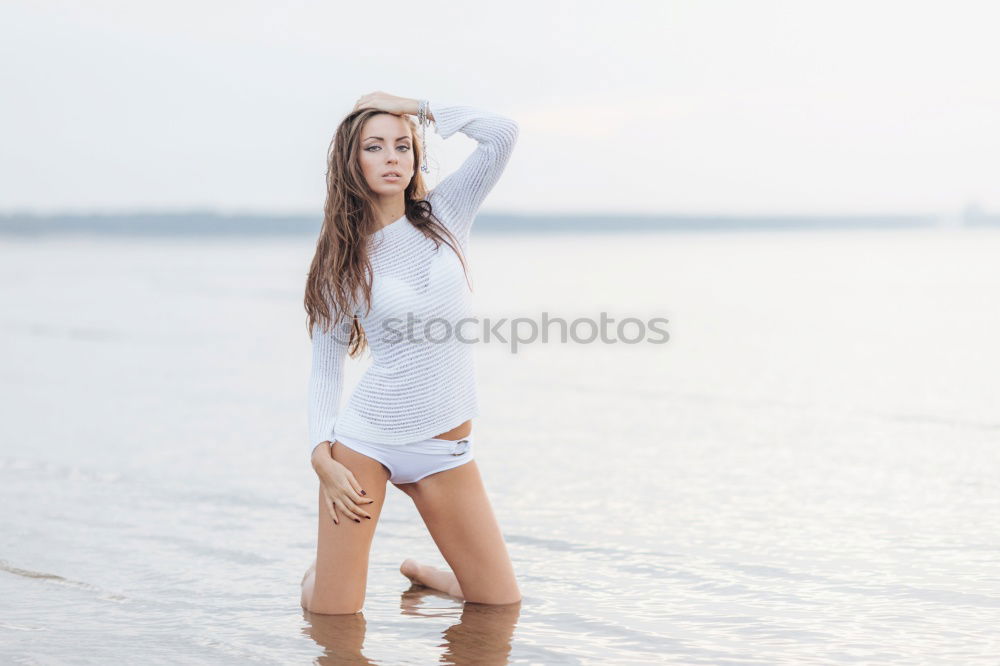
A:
x: 694, y: 107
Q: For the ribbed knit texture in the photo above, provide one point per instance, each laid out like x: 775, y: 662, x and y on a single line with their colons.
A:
x: 423, y: 384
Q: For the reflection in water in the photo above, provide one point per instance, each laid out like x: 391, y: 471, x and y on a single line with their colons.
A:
x: 340, y: 636
x: 482, y: 634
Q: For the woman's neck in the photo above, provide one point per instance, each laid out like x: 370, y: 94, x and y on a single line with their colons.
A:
x: 390, y: 211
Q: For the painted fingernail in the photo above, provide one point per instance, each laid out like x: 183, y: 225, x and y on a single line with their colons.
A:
x: 357, y: 520
x: 363, y: 492
x: 368, y: 517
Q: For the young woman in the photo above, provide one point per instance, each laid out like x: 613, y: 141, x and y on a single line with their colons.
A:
x: 390, y: 270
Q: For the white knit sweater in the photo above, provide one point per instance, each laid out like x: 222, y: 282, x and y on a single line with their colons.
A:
x: 418, y: 386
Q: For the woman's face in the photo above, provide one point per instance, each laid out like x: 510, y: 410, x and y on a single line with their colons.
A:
x: 386, y: 147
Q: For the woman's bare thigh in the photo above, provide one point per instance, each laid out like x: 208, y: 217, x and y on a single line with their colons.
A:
x: 459, y: 517
x: 342, y: 550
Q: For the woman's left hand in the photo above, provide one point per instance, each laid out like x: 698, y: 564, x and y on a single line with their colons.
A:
x: 383, y: 101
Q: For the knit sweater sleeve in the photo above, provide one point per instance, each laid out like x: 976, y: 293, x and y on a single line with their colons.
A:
x: 461, y: 193
x: 326, y: 379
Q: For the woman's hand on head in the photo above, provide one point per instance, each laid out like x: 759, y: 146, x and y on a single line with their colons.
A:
x: 341, y: 491
x: 383, y: 101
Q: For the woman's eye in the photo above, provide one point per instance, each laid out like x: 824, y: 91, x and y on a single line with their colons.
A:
x: 370, y: 147
x: 405, y: 147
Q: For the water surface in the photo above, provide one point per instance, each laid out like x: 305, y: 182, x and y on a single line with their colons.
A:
x: 805, y: 473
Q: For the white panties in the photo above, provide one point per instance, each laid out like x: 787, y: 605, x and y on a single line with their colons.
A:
x: 413, y: 461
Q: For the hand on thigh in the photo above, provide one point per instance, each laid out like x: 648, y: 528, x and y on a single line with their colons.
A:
x: 342, y: 549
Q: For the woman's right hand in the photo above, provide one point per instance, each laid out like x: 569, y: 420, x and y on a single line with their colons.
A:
x: 341, y: 490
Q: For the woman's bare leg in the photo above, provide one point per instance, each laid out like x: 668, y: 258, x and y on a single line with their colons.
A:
x: 335, y: 583
x: 456, y: 509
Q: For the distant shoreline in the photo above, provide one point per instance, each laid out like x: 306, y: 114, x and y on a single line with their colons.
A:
x: 196, y: 223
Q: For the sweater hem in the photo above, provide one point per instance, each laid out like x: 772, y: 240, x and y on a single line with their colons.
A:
x: 397, y: 439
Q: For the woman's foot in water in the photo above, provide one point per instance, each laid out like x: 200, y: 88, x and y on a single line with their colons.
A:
x: 430, y: 576
x: 308, y: 582
x: 311, y: 569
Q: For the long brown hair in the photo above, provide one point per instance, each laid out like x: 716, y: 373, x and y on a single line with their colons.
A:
x: 341, y: 263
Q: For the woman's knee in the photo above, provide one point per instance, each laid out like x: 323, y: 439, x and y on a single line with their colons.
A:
x: 334, y: 608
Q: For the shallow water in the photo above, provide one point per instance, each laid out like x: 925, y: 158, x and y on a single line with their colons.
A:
x: 805, y: 473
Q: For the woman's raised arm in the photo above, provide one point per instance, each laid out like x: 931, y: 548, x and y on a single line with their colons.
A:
x: 459, y: 196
